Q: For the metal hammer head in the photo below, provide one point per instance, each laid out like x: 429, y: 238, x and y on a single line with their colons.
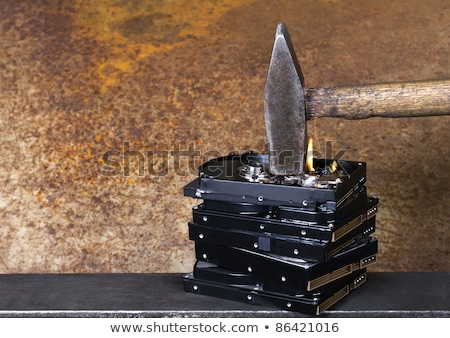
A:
x: 284, y: 108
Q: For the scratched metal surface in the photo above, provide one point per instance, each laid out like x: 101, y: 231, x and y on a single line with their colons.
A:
x: 78, y: 79
x: 162, y: 295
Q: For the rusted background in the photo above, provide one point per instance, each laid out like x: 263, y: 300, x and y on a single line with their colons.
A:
x: 80, y: 78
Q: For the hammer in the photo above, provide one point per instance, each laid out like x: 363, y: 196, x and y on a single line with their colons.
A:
x: 288, y: 104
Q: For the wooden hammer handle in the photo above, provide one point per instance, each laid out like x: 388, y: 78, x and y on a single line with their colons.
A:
x: 406, y: 99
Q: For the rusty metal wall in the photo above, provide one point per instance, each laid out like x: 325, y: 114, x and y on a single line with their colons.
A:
x: 160, y: 80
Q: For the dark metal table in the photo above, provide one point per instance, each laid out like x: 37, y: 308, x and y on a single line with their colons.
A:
x: 161, y: 295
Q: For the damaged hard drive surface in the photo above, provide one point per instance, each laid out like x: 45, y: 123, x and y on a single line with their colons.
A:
x: 232, y: 179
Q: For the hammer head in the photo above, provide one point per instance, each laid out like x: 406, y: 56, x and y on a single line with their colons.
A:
x: 284, y: 108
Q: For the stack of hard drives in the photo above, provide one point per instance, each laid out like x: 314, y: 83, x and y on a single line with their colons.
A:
x: 298, y: 243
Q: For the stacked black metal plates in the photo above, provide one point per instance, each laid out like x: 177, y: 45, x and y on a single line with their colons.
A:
x: 299, y: 243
